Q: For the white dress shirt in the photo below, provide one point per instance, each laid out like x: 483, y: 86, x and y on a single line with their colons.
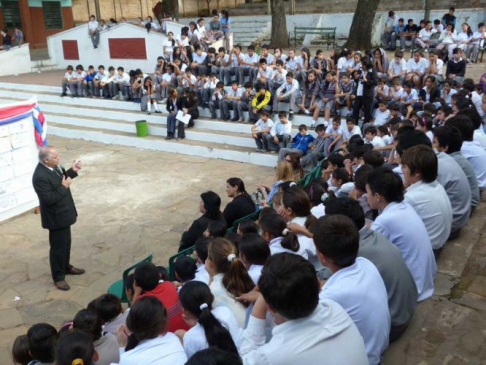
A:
x: 480, y: 137
x: 327, y: 336
x: 222, y: 298
x: 403, y: 227
x: 377, y: 141
x: 162, y: 350
x: 201, y: 273
x: 93, y: 25
x: 360, y: 290
x: 433, y: 206
x: 261, y: 125
x: 421, y: 65
x: 276, y: 247
x: 280, y: 129
x: 287, y: 89
x: 381, y: 117
x: 255, y: 271
x: 307, y: 244
x: 347, y: 134
x: 195, y: 339
x: 476, y: 155
x: 396, y: 68
x: 318, y: 211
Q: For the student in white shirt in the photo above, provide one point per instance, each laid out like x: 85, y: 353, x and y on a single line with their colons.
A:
x: 397, y: 67
x: 447, y: 92
x: 274, y: 231
x: 423, y: 39
x: 473, y: 47
x: 425, y: 194
x: 94, y: 31
x: 210, y: 327
x: 306, y: 329
x: 278, y: 76
x: 280, y: 134
x: 448, y: 39
x: 121, y: 84
x: 230, y: 101
x: 351, y: 129
x: 464, y: 37
x: 403, y: 227
x: 471, y: 150
x: 253, y: 252
x: 151, y: 344
x: 409, y: 96
x: 333, y: 136
x: 371, y: 137
x: 344, y: 62
x: 355, y: 283
x: 249, y: 62
x: 69, y: 78
x: 228, y: 277
x: 382, y: 114
x: 200, y: 253
x: 287, y: 92
x: 261, y: 129
x: 416, y: 66
x: 168, y: 46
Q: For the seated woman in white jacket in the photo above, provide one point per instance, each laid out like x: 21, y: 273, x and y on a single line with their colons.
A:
x: 448, y: 39
x: 215, y: 328
x: 145, y: 340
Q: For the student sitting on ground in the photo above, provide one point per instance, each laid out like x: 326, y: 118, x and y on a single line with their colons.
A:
x: 424, y: 193
x: 105, y: 344
x: 145, y: 339
x: 242, y: 203
x: 260, y: 102
x: 149, y: 282
x: 300, y: 143
x: 42, y: 338
x: 399, y: 283
x: 400, y: 224
x: 316, y: 149
x: 20, y: 351
x: 310, y: 91
x: 253, y: 252
x: 298, y: 314
x: 109, y: 308
x: 214, y: 328
x: 280, y: 134
x: 288, y: 92
x: 456, y: 68
x: 397, y: 67
x: 228, y: 277
x: 409, y: 96
x: 356, y: 284
x: 334, y: 136
x: 260, y: 130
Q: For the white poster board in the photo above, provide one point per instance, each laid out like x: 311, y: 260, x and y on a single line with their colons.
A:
x: 18, y: 159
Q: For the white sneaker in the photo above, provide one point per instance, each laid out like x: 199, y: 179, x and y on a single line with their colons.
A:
x: 313, y: 124
x: 326, y: 123
x: 307, y: 112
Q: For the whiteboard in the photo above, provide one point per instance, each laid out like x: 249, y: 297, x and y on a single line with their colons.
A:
x: 18, y: 159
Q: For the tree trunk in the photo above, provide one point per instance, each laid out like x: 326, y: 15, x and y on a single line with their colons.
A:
x: 427, y: 9
x: 362, y: 26
x: 280, y: 38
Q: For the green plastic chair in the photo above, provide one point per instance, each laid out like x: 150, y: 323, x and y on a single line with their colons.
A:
x: 253, y: 216
x: 172, y: 259
x: 118, y: 287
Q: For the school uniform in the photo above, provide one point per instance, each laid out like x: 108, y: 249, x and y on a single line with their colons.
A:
x: 476, y: 155
x: 108, y: 349
x: 76, y: 87
x: 396, y: 68
x: 223, y: 298
x: 381, y: 118
x: 455, y: 183
x: 307, y: 244
x: 244, y: 104
x: 202, y: 273
x: 261, y: 140
x: 162, y: 350
x: 468, y: 170
x: 319, y: 65
x: 356, y: 131
x: 347, y: 89
x: 402, y: 226
x: 109, y: 85
x: 66, y: 83
x: 318, y: 211
x: 229, y: 104
x: 255, y: 70
x: 121, y: 85
x: 112, y: 326
x: 312, y: 158
x: 457, y: 68
x: 93, y: 28
x: 480, y: 137
x: 217, y: 103
x: 255, y: 271
x: 195, y: 339
x: 173, y: 106
x: 233, y: 68
x: 289, y: 93
x: 432, y: 204
x: 219, y: 66
x: 276, y: 80
x: 425, y: 34
x: 300, y: 146
x: 360, y: 290
x: 327, y: 332
x: 263, y: 73
x: 327, y: 91
x: 478, y: 103
x: 309, y: 90
x: 331, y: 139
x: 408, y: 29
x: 200, y: 69
x: 472, y: 50
x: 282, y: 132
x: 448, y: 98
x: 246, y: 70
x: 399, y: 283
x: 276, y: 247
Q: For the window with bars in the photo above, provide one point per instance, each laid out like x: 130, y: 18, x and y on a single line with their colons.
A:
x: 52, y: 14
x: 11, y: 14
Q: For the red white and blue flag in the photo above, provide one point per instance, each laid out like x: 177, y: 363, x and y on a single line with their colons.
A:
x: 13, y: 113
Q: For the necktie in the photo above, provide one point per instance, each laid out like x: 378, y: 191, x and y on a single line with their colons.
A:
x: 58, y: 171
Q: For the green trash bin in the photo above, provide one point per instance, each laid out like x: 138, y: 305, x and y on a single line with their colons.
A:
x: 142, y: 128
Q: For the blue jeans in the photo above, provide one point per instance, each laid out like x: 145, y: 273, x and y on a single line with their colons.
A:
x: 171, y: 123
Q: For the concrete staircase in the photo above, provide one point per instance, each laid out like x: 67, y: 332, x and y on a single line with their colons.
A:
x: 112, y: 122
x: 245, y: 33
x: 44, y: 65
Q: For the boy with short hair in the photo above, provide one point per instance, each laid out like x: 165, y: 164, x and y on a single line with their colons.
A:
x: 310, y: 91
x: 200, y: 253
x: 372, y: 138
x: 409, y: 33
x: 287, y: 92
x: 300, y: 143
x: 260, y: 102
x: 382, y: 114
x: 244, y: 104
x: 89, y: 88
x: 221, y: 62
x: 280, y: 134
x: 109, y: 308
x: 260, y: 130
x: 264, y: 75
x: 233, y: 67
x: 397, y: 67
x: 403, y: 227
x: 395, y: 93
x: 230, y: 101
x: 424, y: 39
x: 456, y: 68
x: 478, y: 37
x: 100, y: 75
x: 435, y: 67
x: 121, y: 84
x: 344, y: 89
x: 248, y: 63
x: 290, y: 291
x: 333, y: 135
x: 108, y: 83
x: 208, y: 89
x: 319, y: 65
x: 316, y: 149
x: 416, y: 66
x: 409, y: 96
x: 327, y: 93
x: 67, y: 79
x: 397, y: 32
x: 217, y: 102
x: 77, y: 85
x: 278, y: 77
x: 42, y: 339
x: 355, y: 283
x: 351, y: 129
x: 198, y: 59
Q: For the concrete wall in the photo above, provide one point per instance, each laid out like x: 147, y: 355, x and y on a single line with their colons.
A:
x: 101, y: 55
x: 15, y: 61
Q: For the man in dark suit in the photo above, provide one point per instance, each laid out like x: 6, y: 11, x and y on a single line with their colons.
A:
x: 51, y: 183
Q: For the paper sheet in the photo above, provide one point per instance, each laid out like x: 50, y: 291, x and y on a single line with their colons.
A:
x: 183, y: 118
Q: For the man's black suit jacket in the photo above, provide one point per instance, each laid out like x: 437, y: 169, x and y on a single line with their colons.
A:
x: 56, y: 202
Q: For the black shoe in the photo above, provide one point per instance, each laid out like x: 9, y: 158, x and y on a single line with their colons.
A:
x: 63, y: 95
x: 95, y: 47
x: 234, y: 119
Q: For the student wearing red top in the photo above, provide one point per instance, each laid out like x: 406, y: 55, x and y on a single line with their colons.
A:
x: 150, y: 282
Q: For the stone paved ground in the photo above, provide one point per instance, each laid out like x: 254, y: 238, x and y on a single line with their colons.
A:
x: 132, y: 202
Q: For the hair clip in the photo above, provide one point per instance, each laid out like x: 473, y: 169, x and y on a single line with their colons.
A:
x: 203, y: 306
x: 231, y: 257
x: 77, y: 362
x: 324, y: 197
x: 292, y: 184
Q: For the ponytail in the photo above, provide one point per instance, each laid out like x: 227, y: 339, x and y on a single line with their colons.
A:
x: 290, y: 241
x: 275, y: 226
x: 196, y: 297
x: 296, y: 199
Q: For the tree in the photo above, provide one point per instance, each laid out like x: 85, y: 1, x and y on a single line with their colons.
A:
x: 280, y: 38
x: 362, y: 25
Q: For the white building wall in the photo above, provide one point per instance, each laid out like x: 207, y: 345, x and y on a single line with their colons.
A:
x: 15, y: 61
